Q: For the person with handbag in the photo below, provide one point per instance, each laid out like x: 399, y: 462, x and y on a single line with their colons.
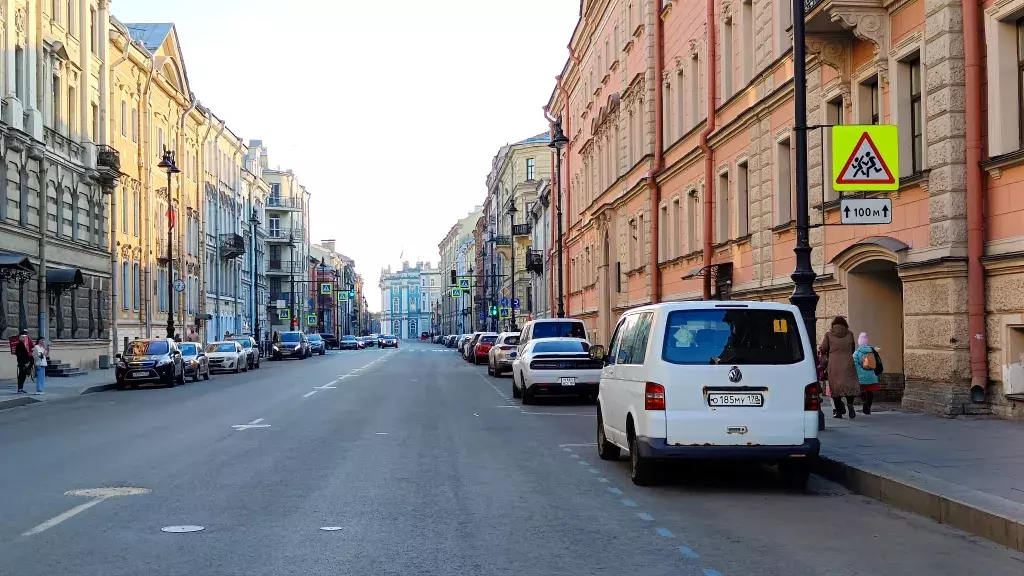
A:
x: 869, y: 366
x: 23, y: 354
x: 837, y: 347
x: 39, y: 352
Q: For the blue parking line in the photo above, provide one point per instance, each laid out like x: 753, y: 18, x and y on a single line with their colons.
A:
x: 688, y: 552
x: 645, y: 517
x: 665, y: 532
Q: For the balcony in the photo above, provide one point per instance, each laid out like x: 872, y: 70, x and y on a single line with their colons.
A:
x: 502, y: 241
x: 297, y: 233
x: 287, y: 267
x: 108, y: 164
x: 522, y: 229
x: 283, y: 203
x: 535, y: 261
x: 833, y: 26
x: 231, y: 246
x: 62, y: 145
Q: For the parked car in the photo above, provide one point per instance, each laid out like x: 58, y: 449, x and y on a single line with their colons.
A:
x: 292, y: 344
x: 732, y: 380
x: 316, y: 344
x: 196, y: 362
x: 387, y: 341
x: 348, y: 342
x: 483, y: 346
x: 227, y: 356
x: 371, y: 340
x: 469, y: 346
x: 449, y: 340
x: 551, y: 328
x: 150, y: 360
x: 555, y: 367
x: 361, y: 342
x: 330, y: 340
x: 252, y: 350
x: 502, y: 354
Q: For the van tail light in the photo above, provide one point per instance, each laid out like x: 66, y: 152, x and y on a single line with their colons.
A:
x: 812, y: 397
x: 654, y: 396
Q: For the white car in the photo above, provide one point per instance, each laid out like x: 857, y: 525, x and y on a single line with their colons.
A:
x: 227, y: 356
x: 716, y: 380
x: 551, y: 328
x: 502, y: 354
x: 555, y: 367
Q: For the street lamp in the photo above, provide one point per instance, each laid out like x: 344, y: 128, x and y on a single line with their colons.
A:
x: 512, y: 212
x: 337, y: 306
x: 254, y: 223
x: 319, y: 296
x: 559, y: 141
x: 167, y: 163
x: 291, y: 279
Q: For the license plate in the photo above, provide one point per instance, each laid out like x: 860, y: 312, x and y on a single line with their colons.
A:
x: 745, y: 399
x: 568, y: 381
x: 140, y: 374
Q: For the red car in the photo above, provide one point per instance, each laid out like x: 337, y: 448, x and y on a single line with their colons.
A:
x: 483, y: 346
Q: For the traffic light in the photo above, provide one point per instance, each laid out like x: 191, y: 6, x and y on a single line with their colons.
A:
x: 494, y: 310
x: 455, y: 279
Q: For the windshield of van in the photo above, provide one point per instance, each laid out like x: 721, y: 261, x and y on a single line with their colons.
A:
x: 732, y: 336
x: 559, y: 330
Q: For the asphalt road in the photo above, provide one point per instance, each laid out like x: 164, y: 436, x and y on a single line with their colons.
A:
x: 423, y: 465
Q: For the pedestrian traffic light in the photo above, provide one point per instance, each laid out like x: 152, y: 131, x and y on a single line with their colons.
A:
x: 494, y: 310
x: 455, y: 279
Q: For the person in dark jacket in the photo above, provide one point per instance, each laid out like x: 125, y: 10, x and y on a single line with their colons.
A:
x: 23, y: 354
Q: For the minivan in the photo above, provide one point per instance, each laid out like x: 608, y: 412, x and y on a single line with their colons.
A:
x: 714, y: 380
x: 551, y: 328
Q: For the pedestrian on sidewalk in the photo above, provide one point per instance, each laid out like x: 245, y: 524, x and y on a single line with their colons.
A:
x: 837, y: 348
x: 869, y: 366
x: 23, y: 355
x: 39, y: 353
x: 193, y: 336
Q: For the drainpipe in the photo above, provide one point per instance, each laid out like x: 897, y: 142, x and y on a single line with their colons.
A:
x: 975, y: 203
x: 709, y: 158
x: 216, y: 232
x: 180, y: 146
x: 144, y: 159
x: 659, y: 145
x: 114, y: 276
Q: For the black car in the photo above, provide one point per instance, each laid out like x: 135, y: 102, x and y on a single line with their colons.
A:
x: 291, y: 345
x: 150, y: 360
x: 387, y: 341
x: 196, y: 362
x: 316, y: 344
x: 370, y: 340
x: 252, y: 351
x: 348, y: 342
x: 330, y: 340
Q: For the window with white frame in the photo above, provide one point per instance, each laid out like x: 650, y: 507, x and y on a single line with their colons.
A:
x: 664, y: 232
x: 124, y: 118
x: 680, y: 103
x: 746, y: 41
x: 692, y: 204
x: 868, y: 101
x: 783, y: 182
x: 1004, y: 52
x: 666, y: 111
x: 641, y: 245
x: 834, y: 113
x: 694, y: 90
x: 726, y: 60
x: 631, y: 242
x: 742, y: 200
x: 783, y: 32
x: 125, y: 294
x: 530, y: 168
x: 135, y: 124
x: 677, y: 230
x: 136, y: 286
x: 916, y: 115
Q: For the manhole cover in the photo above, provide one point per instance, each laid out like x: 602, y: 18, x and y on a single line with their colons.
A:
x: 330, y: 528
x: 108, y: 492
x: 180, y: 529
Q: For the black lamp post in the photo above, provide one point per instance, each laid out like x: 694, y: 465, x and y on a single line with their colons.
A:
x: 559, y: 141
x: 291, y: 279
x: 337, y: 331
x: 512, y: 211
x: 167, y: 163
x: 254, y: 224
x: 319, y: 296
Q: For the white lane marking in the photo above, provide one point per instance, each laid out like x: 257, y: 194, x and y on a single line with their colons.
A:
x: 564, y: 445
x: 308, y: 394
x: 326, y: 387
x: 382, y: 433
x: 330, y: 528
x: 559, y: 414
x: 574, y: 455
x: 254, y: 424
x: 182, y: 529
x: 62, y: 517
x: 507, y: 406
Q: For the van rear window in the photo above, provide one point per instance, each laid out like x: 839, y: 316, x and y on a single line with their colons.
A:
x: 732, y: 336
x: 559, y: 330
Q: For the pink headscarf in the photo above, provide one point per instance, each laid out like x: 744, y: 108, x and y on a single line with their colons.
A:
x: 862, y: 339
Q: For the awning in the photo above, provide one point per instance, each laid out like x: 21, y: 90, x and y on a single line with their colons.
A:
x: 65, y: 276
x: 16, y: 261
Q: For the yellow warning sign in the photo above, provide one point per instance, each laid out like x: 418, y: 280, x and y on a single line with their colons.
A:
x: 780, y: 325
x: 865, y: 158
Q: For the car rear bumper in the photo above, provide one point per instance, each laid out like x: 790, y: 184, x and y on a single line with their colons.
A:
x: 658, y: 449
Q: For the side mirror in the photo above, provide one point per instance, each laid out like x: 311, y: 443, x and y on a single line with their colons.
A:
x: 597, y: 352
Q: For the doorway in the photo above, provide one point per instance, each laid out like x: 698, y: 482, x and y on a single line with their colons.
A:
x: 875, y: 299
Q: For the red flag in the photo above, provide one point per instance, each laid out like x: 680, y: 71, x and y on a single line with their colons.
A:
x: 172, y: 215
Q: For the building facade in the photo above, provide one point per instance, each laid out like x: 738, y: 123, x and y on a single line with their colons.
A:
x: 408, y: 298
x: 288, y: 259
x: 678, y: 178
x: 538, y: 256
x: 456, y: 250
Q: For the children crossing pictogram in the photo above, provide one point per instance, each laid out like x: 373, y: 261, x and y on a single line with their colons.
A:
x: 865, y: 158
x: 865, y: 165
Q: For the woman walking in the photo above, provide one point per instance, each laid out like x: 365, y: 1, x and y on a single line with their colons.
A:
x: 837, y: 348
x: 39, y: 353
x: 866, y: 360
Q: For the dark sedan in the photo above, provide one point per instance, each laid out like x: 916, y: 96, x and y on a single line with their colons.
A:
x: 196, y: 363
x: 330, y: 340
x: 150, y: 360
x: 387, y: 341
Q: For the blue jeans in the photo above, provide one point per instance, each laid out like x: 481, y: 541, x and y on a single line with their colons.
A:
x: 40, y: 378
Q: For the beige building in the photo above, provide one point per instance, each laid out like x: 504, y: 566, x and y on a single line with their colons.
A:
x: 288, y: 253
x: 457, y: 253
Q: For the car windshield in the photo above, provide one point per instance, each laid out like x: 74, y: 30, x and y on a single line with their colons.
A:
x: 188, y: 349
x: 144, y: 348
x: 559, y: 330
x: 732, y: 336
x: 222, y: 347
x: 314, y: 338
x: 349, y: 338
x: 488, y: 339
x: 245, y: 342
x: 291, y: 337
x: 549, y: 346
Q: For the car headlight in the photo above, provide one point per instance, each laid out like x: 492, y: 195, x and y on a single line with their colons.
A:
x: 122, y: 364
x: 193, y: 362
x: 297, y: 346
x: 164, y: 362
x: 276, y: 349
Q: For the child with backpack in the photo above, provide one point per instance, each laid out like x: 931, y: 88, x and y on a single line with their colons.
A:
x: 869, y: 368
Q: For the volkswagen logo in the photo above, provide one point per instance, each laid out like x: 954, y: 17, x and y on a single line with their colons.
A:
x: 735, y: 375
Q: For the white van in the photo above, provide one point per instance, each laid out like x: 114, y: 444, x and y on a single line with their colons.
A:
x: 715, y: 380
x: 551, y: 328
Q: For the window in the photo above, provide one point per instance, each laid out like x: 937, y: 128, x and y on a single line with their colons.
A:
x: 742, y: 201
x: 136, y: 214
x: 631, y: 242
x: 875, y: 114
x: 95, y: 124
x: 136, y: 287
x: 631, y: 147
x: 55, y: 101
x: 530, y: 166
x: 723, y: 207
x: 691, y: 221
x: 640, y: 252
x: 867, y: 101
x: 727, y: 47
x: 784, y: 9
x: 94, y: 32
x: 124, y: 286
x: 916, y: 117
x: 619, y: 338
x: 666, y: 111
x: 783, y: 182
x: 124, y: 118
x: 633, y: 346
x: 746, y: 41
x: 833, y: 116
x: 159, y: 142
x: 19, y: 72
x: 732, y: 336
x: 677, y: 230
x: 680, y: 105
x: 135, y: 124
x: 72, y: 111
x: 71, y: 17
x: 694, y: 90
x: 54, y: 10
x: 664, y: 231
x: 124, y: 209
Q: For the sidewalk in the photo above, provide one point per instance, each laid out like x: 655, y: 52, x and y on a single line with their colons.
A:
x: 56, y: 388
x: 966, y: 472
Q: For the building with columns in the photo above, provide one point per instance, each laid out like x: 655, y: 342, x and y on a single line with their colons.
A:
x: 678, y: 178
x: 408, y: 299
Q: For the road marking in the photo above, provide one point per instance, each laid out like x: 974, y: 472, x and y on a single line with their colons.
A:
x: 254, y: 424
x: 582, y: 463
x: 566, y: 449
x: 325, y: 387
x: 592, y: 470
x: 576, y: 445
x: 97, y: 494
x: 62, y: 517
x: 330, y: 528
x: 710, y: 572
x: 574, y: 455
x: 182, y: 529
x: 664, y: 532
x: 602, y: 480
x: 507, y: 406
x: 382, y: 433
x: 645, y: 517
x: 688, y: 552
x: 615, y: 491
x: 560, y: 414
x: 629, y: 503
x: 308, y: 394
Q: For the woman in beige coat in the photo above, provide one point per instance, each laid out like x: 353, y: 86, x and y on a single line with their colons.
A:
x: 837, y: 349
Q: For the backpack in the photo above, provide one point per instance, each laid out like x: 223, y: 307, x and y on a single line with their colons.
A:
x: 867, y: 362
x: 878, y: 362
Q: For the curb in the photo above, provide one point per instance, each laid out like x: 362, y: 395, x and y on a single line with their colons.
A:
x: 15, y: 402
x: 99, y: 388
x: 978, y: 513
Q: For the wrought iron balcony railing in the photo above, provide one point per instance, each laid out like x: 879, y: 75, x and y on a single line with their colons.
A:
x: 231, y: 245
x: 535, y: 261
x: 522, y: 229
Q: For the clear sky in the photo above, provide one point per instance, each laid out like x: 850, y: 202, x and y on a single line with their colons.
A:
x: 388, y: 111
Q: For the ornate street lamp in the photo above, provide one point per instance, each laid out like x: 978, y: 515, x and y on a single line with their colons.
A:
x: 558, y: 142
x: 512, y: 211
x: 254, y: 224
x: 167, y: 163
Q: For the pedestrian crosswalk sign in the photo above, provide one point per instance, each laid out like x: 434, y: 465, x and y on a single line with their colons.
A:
x: 325, y: 288
x: 284, y: 314
x: 311, y: 320
x: 865, y: 158
x: 343, y: 296
x: 504, y: 313
x: 456, y: 292
x: 464, y: 283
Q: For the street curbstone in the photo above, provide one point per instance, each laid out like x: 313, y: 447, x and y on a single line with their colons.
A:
x: 99, y: 388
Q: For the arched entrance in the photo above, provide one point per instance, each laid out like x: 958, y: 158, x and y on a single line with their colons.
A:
x: 874, y: 295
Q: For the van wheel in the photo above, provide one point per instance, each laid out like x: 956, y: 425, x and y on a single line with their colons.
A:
x: 605, y: 449
x: 795, y: 474
x: 641, y: 470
